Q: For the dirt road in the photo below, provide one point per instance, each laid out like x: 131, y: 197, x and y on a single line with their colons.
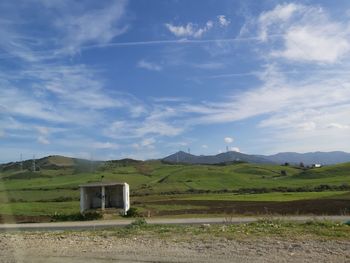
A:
x: 100, y: 224
x: 79, y: 247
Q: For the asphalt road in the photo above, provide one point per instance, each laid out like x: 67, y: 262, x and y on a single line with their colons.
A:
x: 101, y: 224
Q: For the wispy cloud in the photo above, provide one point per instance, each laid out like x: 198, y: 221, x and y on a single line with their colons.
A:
x: 210, y: 65
x: 105, y: 145
x: 43, y: 140
x: 309, y: 35
x: 228, y: 140
x: 189, y: 30
x: 149, y: 65
x: 223, y: 21
x: 97, y: 26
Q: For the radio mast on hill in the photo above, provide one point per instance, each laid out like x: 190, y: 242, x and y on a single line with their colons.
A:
x: 33, y: 164
x: 91, y: 163
x: 21, y: 163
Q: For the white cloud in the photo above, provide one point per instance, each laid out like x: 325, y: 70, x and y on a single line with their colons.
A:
x: 228, y: 140
x: 58, y: 93
x: 149, y: 65
x: 159, y: 121
x: 145, y: 143
x: 43, y: 140
x: 210, y: 65
x: 325, y: 43
x: 14, y: 44
x: 189, y: 30
x: 308, y: 34
x: 43, y: 130
x: 204, y: 146
x: 148, y: 142
x: 275, y: 18
x: 97, y: 26
x: 223, y: 21
x: 105, y: 145
x: 338, y: 126
x: 235, y: 149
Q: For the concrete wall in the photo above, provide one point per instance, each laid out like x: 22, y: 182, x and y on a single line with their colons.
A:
x: 114, y: 196
x: 104, y: 197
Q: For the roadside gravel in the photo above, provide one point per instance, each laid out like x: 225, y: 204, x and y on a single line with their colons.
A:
x: 100, y: 247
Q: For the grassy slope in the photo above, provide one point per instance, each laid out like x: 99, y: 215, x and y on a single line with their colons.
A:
x: 154, y: 178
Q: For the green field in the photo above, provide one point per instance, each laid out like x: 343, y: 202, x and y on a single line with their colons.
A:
x: 55, y: 189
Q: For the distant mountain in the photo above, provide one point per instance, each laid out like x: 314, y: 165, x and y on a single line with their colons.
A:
x: 324, y: 158
x: 51, y: 162
x: 62, y: 162
x: 183, y: 157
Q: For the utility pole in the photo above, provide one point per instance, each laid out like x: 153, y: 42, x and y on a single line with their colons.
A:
x: 91, y: 163
x: 226, y: 148
x: 21, y: 163
x: 33, y: 164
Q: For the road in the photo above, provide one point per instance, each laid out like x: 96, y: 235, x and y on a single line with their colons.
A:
x: 103, y: 224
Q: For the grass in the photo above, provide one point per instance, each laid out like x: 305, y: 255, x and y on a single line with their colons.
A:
x: 278, y: 197
x: 264, y: 228
x: 26, y: 193
x: 39, y: 208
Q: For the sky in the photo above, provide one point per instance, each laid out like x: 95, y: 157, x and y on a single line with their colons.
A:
x: 145, y: 78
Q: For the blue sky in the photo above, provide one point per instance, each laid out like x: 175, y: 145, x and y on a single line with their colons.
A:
x: 146, y: 78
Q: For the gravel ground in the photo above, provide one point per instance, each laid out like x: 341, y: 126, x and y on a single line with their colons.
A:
x: 89, y: 247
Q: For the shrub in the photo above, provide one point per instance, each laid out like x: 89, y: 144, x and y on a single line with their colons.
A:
x: 283, y: 173
x: 140, y: 222
x: 76, y: 216
x: 132, y: 212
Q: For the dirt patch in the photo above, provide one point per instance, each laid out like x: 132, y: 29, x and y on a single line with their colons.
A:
x: 315, y: 207
x: 84, y: 247
x: 23, y: 219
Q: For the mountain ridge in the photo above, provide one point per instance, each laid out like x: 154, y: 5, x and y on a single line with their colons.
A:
x: 294, y: 158
x: 309, y: 158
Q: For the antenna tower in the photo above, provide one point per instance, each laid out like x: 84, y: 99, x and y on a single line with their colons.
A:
x: 91, y: 163
x: 21, y: 163
x: 33, y: 164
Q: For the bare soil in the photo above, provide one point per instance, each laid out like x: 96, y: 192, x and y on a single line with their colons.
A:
x: 86, y: 247
x: 23, y: 219
x: 300, y: 207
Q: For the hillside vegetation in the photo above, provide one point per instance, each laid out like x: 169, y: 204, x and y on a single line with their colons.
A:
x: 54, y: 188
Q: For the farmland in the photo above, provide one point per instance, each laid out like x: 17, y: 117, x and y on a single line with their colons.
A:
x: 165, y: 189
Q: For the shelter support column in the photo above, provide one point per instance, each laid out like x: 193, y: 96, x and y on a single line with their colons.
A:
x: 82, y: 199
x: 126, y: 202
x: 103, y: 198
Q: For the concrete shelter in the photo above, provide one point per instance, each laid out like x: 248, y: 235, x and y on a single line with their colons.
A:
x: 101, y: 195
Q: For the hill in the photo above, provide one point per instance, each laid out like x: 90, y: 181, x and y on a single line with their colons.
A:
x: 227, y: 157
x: 51, y: 162
x: 55, y: 187
x: 324, y: 158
